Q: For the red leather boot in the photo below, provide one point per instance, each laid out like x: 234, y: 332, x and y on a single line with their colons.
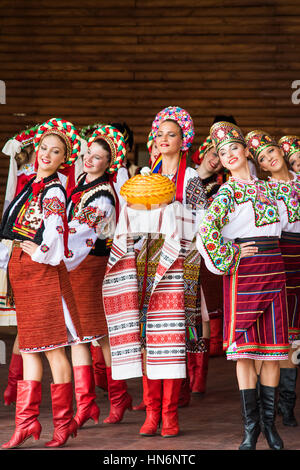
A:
x: 99, y: 367
x: 171, y: 391
x: 62, y: 409
x: 140, y: 407
x: 85, y: 395
x: 15, y: 373
x: 119, y: 398
x: 152, y: 391
x: 29, y: 396
x: 191, y: 367
x: 199, y: 385
x: 185, y: 393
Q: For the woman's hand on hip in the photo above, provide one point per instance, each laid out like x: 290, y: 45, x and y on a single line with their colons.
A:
x: 248, y: 249
x: 29, y: 247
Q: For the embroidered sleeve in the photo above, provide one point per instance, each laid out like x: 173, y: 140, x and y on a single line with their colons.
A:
x: 53, y: 206
x: 220, y: 257
x: 85, y: 228
x: 51, y: 249
x: 91, y: 216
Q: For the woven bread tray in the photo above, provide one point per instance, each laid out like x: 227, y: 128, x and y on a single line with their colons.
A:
x: 148, y: 191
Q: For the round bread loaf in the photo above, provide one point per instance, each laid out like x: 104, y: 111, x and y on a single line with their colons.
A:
x: 148, y: 191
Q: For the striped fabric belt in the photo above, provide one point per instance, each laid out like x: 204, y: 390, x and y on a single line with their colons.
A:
x: 263, y: 243
x: 290, y: 237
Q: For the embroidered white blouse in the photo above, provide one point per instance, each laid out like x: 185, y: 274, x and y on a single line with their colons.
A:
x: 51, y: 249
x: 240, y: 209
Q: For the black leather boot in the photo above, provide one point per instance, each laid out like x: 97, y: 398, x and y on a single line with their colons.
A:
x: 259, y: 403
x: 268, y: 403
x: 250, y: 413
x: 287, y: 396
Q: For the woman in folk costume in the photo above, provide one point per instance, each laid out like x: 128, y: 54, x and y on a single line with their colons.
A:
x: 46, y: 311
x: 239, y: 239
x: 209, y: 168
x: 196, y: 198
x: 173, y: 133
x: 99, y: 367
x: 153, y: 155
x: 116, y: 180
x: 90, y: 209
x: 272, y: 157
x: 22, y: 169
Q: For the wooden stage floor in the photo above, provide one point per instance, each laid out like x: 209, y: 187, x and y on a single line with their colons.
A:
x: 210, y: 422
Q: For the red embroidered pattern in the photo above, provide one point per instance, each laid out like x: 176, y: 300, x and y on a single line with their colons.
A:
x: 29, y: 219
x: 89, y: 242
x: 53, y: 206
x: 124, y: 339
x: 91, y: 216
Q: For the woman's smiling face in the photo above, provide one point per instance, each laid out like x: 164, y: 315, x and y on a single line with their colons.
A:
x: 169, y: 138
x: 271, y: 159
x: 211, y: 161
x: 51, y: 153
x: 96, y: 160
x: 233, y: 156
x: 294, y: 162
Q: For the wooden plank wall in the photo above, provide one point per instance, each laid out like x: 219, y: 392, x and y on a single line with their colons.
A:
x: 103, y: 60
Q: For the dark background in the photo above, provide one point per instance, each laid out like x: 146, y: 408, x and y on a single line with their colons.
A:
x: 96, y: 60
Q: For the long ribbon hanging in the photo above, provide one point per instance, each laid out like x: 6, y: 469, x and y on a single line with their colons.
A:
x: 179, y: 176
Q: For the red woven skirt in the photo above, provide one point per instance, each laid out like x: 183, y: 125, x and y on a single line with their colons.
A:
x: 290, y: 249
x: 38, y: 290
x: 86, y: 281
x: 255, y: 308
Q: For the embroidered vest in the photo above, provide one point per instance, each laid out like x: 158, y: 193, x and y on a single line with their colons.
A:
x: 23, y: 219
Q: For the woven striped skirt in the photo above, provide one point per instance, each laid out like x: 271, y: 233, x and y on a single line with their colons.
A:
x: 86, y: 281
x: 290, y: 249
x: 255, y: 306
x: 184, y: 270
x: 40, y: 292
